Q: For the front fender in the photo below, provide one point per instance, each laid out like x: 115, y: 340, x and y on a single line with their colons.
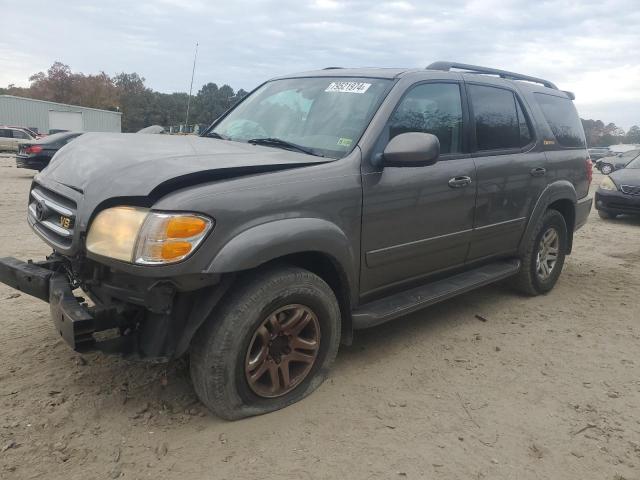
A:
x: 276, y: 239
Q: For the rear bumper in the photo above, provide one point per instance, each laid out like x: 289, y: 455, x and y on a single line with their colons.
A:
x: 31, y: 163
x: 617, y: 202
x: 583, y: 208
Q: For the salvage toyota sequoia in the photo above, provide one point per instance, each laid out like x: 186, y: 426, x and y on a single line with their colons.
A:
x: 321, y: 203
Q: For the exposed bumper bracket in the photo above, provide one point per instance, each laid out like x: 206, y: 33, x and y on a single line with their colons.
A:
x: 29, y: 278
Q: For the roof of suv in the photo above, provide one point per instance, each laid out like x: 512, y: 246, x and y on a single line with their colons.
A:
x: 453, y: 68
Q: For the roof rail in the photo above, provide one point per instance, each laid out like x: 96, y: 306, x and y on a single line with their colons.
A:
x: 332, y: 68
x: 447, y: 66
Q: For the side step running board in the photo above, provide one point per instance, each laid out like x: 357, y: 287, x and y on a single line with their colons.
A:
x: 404, y: 303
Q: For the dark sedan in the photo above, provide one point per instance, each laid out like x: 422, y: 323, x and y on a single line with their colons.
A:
x: 619, y: 193
x: 36, y: 155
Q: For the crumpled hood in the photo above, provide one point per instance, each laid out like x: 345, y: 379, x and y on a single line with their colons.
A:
x: 121, y: 164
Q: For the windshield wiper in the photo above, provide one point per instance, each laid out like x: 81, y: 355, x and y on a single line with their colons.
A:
x: 279, y: 143
x: 213, y: 134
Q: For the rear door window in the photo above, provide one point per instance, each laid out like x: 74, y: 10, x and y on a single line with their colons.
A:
x: 562, y: 117
x: 500, y: 121
x: 5, y: 133
x: 21, y: 135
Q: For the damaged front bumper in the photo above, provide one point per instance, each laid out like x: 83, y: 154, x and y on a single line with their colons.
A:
x: 150, y: 321
x: 48, y: 281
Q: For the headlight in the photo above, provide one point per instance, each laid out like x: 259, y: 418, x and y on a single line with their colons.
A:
x: 607, y: 184
x: 139, y: 235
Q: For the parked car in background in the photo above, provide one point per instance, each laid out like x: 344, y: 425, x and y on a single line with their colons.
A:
x: 323, y: 202
x: 616, y: 162
x: 30, y: 131
x: 153, y: 129
x: 619, y: 193
x: 10, y: 137
x: 37, y: 154
x: 597, y: 153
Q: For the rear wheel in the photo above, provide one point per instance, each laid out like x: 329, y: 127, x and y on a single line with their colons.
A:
x: 268, y: 345
x: 606, y: 168
x: 544, y: 255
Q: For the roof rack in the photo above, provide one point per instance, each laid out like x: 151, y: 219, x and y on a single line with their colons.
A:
x: 447, y: 66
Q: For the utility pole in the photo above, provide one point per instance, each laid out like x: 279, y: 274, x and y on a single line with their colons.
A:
x: 193, y: 71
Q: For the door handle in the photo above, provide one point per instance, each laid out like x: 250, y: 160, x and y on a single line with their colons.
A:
x: 538, y: 172
x: 461, y: 181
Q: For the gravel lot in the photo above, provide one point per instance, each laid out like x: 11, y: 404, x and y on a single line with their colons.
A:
x: 544, y: 388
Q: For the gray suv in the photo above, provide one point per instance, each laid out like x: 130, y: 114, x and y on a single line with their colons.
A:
x: 323, y: 202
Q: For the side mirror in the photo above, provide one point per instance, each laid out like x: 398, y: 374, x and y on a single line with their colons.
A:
x: 412, y: 149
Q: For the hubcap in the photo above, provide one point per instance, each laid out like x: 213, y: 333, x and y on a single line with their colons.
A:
x: 282, y: 351
x: 547, y: 253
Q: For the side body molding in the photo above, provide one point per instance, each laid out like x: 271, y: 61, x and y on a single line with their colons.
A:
x: 272, y: 240
x: 558, y: 190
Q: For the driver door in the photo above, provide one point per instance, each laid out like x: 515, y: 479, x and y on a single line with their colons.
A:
x: 417, y: 221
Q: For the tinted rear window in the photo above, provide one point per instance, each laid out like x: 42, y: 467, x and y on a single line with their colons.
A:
x: 500, y: 122
x: 563, y: 119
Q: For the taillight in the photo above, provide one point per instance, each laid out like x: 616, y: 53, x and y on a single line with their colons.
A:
x: 33, y: 149
x: 589, y: 166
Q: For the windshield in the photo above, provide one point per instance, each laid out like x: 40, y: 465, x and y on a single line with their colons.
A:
x: 323, y: 115
x: 630, y: 155
x: 634, y: 163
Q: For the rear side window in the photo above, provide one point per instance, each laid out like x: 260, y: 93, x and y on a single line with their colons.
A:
x: 434, y: 108
x: 563, y: 119
x: 5, y: 133
x: 500, y: 120
x: 20, y: 134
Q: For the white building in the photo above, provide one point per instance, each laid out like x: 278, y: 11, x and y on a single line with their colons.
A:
x: 49, y: 117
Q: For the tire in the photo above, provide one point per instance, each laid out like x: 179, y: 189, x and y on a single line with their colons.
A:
x: 223, y: 347
x: 529, y: 280
x: 606, y: 215
x: 606, y: 168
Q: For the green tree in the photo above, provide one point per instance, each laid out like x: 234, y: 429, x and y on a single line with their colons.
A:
x: 633, y: 135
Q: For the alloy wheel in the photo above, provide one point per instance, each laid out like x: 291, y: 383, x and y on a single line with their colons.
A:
x: 282, y: 351
x: 547, y: 256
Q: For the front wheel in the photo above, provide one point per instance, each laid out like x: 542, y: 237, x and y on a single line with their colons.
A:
x: 268, y: 345
x: 544, y: 255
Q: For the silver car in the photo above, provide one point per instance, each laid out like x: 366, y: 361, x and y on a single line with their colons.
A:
x: 10, y: 137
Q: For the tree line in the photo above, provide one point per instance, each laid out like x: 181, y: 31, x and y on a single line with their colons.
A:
x: 600, y: 134
x: 141, y: 106
x: 126, y: 92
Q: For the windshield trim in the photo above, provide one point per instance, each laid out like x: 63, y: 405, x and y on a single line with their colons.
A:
x: 383, y: 96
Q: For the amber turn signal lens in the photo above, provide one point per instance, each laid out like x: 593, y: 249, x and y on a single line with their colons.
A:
x: 173, y: 250
x: 185, y: 227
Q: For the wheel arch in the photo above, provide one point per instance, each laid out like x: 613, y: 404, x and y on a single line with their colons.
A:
x: 560, y: 196
x: 314, y: 244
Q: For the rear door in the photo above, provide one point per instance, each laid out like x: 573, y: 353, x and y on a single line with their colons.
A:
x: 511, y: 174
x: 415, y: 221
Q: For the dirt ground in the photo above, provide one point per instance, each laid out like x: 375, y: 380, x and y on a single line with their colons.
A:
x: 544, y: 388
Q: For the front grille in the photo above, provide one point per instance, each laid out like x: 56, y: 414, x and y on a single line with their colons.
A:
x: 630, y: 189
x: 52, y: 215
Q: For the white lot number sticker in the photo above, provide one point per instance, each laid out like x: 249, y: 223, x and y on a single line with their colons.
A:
x: 348, y: 87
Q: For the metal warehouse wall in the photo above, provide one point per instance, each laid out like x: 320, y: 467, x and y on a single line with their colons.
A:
x: 26, y: 112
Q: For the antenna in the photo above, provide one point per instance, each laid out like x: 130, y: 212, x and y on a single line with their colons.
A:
x: 193, y: 71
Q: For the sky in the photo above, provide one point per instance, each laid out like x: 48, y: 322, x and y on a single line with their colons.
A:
x: 588, y: 47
